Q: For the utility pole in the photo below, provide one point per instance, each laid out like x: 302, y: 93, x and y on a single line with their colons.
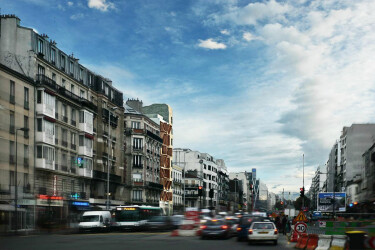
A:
x: 303, y: 180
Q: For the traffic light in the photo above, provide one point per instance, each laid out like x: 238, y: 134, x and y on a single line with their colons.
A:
x: 211, y: 193
x: 302, y: 191
x: 282, y: 203
x: 200, y: 191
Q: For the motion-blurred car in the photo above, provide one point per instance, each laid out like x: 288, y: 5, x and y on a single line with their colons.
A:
x: 232, y: 223
x: 245, y: 223
x: 263, y: 231
x: 160, y: 223
x: 215, y: 229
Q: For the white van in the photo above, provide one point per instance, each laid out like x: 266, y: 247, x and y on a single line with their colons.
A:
x: 95, y: 220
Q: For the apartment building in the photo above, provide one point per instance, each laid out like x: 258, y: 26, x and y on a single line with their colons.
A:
x: 142, y: 156
x: 207, y: 170
x: 223, y: 186
x: 178, y: 189
x: 17, y: 154
x: 78, y: 125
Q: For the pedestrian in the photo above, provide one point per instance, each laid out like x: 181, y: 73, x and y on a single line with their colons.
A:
x: 283, y: 224
x: 278, y: 223
x: 288, y: 226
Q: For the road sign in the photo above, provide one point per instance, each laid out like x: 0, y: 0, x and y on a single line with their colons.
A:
x: 301, y: 217
x: 322, y: 224
x: 300, y: 227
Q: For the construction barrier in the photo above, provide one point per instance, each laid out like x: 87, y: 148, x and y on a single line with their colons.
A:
x: 188, y: 228
x: 302, y: 241
x: 356, y: 239
x: 293, y: 236
x: 313, y: 242
x: 324, y: 242
x: 338, y: 242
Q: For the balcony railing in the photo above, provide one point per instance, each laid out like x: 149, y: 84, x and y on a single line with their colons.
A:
x: 137, y: 165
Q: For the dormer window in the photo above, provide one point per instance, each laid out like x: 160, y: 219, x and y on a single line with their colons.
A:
x: 40, y: 46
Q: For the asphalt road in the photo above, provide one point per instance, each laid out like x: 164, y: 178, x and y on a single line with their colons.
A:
x: 117, y: 241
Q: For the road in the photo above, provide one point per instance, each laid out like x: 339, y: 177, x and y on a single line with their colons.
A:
x: 118, y: 241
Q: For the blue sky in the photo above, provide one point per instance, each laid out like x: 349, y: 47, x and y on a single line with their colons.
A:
x: 256, y: 83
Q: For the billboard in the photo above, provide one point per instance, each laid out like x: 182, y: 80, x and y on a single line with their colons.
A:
x: 325, y: 202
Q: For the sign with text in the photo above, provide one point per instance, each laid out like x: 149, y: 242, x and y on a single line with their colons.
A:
x: 326, y: 202
x: 300, y: 227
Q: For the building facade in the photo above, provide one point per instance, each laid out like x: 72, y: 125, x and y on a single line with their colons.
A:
x: 178, y: 189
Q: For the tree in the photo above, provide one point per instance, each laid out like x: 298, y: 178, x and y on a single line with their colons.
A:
x: 298, y: 203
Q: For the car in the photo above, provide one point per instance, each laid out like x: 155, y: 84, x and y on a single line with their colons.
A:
x: 160, y: 223
x: 245, y: 223
x: 233, y: 223
x: 263, y: 231
x: 215, y: 229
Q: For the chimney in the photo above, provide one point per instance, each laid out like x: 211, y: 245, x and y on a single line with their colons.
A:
x: 135, y: 104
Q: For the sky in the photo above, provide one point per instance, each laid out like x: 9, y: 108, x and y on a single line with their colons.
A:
x: 256, y: 83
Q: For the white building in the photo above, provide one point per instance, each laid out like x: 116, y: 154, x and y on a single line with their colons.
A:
x: 177, y: 188
x: 206, y: 167
x: 243, y: 176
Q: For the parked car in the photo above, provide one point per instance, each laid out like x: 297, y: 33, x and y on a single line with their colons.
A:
x: 262, y: 231
x: 215, y: 229
x: 160, y: 223
x: 95, y: 221
x: 245, y: 223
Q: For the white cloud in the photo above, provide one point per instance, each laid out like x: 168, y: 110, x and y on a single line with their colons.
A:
x: 77, y: 16
x: 70, y: 3
x: 101, y: 5
x: 225, y: 32
x: 211, y: 44
x: 248, y: 36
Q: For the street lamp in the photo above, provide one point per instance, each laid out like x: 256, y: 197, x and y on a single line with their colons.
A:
x: 16, y: 184
x: 109, y: 150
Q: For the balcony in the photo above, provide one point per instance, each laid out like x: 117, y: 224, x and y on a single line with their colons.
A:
x: 137, y: 165
x: 153, y: 185
x: 139, y: 150
x: 103, y: 176
x: 154, y: 136
x: 44, y: 164
x: 42, y: 80
x: 85, y: 172
x: 83, y: 150
x: 138, y: 182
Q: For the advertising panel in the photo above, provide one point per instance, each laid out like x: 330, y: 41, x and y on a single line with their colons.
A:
x: 325, y: 202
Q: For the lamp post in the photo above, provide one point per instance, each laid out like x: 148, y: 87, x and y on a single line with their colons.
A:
x: 109, y: 150
x: 16, y: 184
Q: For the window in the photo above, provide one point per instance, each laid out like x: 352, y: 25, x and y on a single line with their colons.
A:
x: 137, y: 143
x: 73, y: 139
x: 73, y: 114
x: 11, y: 122
x: 80, y: 73
x: 12, y: 151
x: 136, y: 125
x: 26, y: 98
x: 82, y: 94
x: 39, y: 124
x: 39, y: 96
x: 137, y: 195
x: 12, y: 92
x: 54, y: 77
x: 25, y: 179
x: 40, y: 46
x: 26, y: 152
x: 63, y: 83
x: 26, y: 125
x: 71, y: 67
x: 11, y: 178
x: 44, y: 152
x: 41, y: 70
x: 85, y: 142
x: 64, y: 160
x: 62, y: 62
x: 64, y: 112
x: 63, y: 185
x: 72, y: 184
x: 53, y: 56
x: 72, y: 88
x: 137, y: 160
x: 64, y: 135
x: 57, y: 135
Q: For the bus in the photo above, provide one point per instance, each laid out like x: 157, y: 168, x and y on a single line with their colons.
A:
x: 134, y: 217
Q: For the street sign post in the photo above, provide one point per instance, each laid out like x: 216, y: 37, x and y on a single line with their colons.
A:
x: 300, y: 217
x: 300, y: 227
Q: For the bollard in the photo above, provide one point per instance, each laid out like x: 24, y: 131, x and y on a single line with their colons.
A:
x: 338, y: 242
x: 356, y: 239
x: 302, y: 241
x: 313, y: 242
x: 324, y: 242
